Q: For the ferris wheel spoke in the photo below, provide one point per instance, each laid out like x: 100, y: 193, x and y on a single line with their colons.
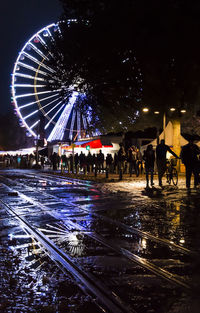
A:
x: 84, y: 122
x: 33, y: 71
x: 55, y: 106
x: 28, y: 86
x: 33, y: 94
x: 39, y: 51
x: 31, y: 114
x: 54, y: 116
x: 42, y: 41
x: 34, y: 102
x: 33, y: 125
x: 51, y: 37
x: 59, y: 30
x: 44, y: 44
x: 78, y: 124
x: 59, y: 129
x: 30, y: 57
x: 72, y: 125
x: 31, y: 68
x: 28, y: 76
x: 46, y: 105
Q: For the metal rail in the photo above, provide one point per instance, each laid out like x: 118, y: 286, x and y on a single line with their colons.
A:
x: 136, y: 259
x: 122, y: 225
x: 106, y: 297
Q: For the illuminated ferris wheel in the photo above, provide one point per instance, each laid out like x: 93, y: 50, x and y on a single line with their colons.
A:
x: 33, y: 97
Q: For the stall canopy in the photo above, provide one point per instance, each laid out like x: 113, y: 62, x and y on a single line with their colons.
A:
x: 93, y: 143
x: 43, y: 152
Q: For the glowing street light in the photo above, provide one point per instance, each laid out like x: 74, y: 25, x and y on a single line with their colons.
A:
x: 156, y: 112
x: 145, y: 110
x: 183, y: 111
x: 172, y: 109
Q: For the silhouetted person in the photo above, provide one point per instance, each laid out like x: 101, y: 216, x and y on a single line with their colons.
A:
x: 149, y: 159
x: 58, y: 161
x: 121, y: 158
x: 189, y: 157
x: 139, y: 165
x: 161, y: 152
x: 94, y: 162
x: 54, y: 161
x: 82, y: 159
x: 64, y: 161
x: 109, y: 162
x: 100, y: 160
x: 89, y: 162
x: 76, y: 162
x: 115, y: 162
x: 134, y: 154
x: 130, y: 159
x: 42, y: 160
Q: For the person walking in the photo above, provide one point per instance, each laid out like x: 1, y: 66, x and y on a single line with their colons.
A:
x: 189, y: 156
x: 161, y: 161
x: 54, y: 161
x: 149, y: 160
x: 134, y: 156
x: 139, y: 167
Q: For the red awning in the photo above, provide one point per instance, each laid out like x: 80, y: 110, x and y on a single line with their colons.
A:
x: 94, y: 144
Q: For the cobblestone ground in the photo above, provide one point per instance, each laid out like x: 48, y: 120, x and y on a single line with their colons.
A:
x: 30, y: 281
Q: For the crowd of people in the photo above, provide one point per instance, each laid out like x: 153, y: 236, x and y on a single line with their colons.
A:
x: 17, y: 160
x: 130, y: 161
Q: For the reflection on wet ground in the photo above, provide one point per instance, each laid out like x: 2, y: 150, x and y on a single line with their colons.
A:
x: 99, y: 230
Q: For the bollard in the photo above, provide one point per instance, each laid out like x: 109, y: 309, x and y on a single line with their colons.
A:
x: 95, y: 172
x: 106, y: 172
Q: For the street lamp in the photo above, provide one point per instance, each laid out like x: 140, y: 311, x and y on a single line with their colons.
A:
x: 172, y: 109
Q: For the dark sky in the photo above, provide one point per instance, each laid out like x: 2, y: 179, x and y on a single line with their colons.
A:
x: 19, y: 20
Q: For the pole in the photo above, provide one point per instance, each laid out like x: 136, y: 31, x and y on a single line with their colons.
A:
x: 37, y: 155
x: 176, y: 138
x: 73, y: 146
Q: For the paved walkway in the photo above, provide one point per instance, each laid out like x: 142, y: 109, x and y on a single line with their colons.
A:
x: 141, y: 180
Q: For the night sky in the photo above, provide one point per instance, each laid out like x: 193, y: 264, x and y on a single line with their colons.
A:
x: 20, y: 19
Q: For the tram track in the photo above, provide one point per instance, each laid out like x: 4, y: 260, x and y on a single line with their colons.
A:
x: 127, y: 228
x: 106, y: 298
x: 132, y: 229
x: 133, y: 257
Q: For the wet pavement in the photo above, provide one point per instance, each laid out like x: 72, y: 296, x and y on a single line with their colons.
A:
x: 78, y: 246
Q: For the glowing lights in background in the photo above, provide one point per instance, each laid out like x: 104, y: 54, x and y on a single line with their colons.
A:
x: 32, y: 96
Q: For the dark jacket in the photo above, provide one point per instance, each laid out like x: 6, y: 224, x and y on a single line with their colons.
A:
x: 149, y: 158
x: 161, y: 151
x: 189, y: 154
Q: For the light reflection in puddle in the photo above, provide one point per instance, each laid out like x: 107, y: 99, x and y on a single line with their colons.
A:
x: 62, y: 235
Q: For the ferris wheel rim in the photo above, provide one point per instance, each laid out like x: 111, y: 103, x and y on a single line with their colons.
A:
x: 15, y: 72
x: 22, y: 71
x: 30, y: 69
